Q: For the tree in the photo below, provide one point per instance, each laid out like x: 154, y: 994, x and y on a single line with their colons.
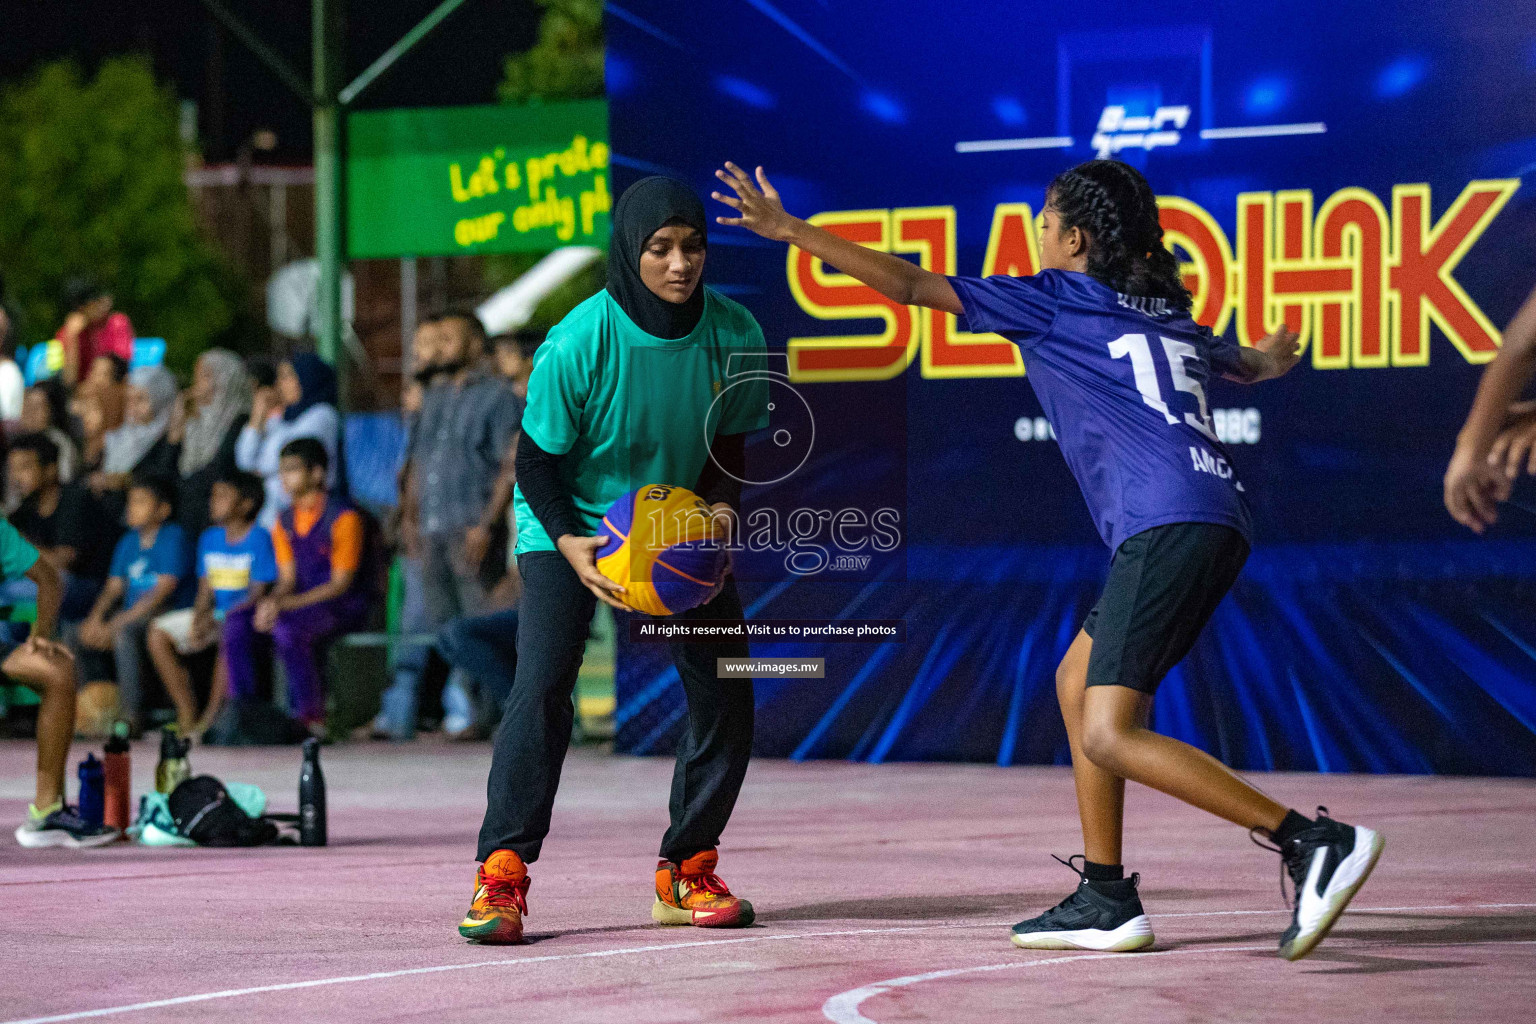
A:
x: 91, y: 185
x: 567, y: 61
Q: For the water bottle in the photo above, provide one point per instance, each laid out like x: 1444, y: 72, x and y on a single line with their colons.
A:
x: 172, y: 769
x: 311, y: 796
x: 116, y: 766
x: 91, y: 791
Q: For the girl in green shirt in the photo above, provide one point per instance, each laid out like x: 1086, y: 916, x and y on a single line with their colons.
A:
x: 623, y: 394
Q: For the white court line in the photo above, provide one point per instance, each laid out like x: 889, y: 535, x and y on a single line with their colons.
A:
x: 843, y: 1008
x: 231, y: 993
x: 510, y: 962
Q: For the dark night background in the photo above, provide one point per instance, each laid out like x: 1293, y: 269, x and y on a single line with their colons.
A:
x: 459, y: 62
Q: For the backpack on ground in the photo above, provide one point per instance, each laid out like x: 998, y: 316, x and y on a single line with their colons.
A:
x: 206, y: 814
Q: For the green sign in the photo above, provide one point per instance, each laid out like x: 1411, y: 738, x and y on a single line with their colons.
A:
x: 450, y: 181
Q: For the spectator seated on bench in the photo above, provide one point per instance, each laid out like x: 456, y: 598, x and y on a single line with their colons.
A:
x: 61, y: 520
x: 149, y: 575
x: 324, y: 587
x: 235, y: 566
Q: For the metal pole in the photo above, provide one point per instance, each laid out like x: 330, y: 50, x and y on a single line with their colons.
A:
x: 270, y: 57
x: 325, y: 19
x: 277, y: 225
x: 329, y: 102
x: 407, y: 317
x: 388, y: 58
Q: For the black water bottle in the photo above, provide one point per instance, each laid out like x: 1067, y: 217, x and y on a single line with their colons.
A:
x: 311, y: 797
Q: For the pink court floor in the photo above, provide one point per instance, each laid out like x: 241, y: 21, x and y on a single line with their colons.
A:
x: 884, y: 894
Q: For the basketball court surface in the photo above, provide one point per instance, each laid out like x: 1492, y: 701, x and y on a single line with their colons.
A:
x: 884, y: 894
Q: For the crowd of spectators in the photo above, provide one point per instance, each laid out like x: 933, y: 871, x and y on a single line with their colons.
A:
x: 203, y: 534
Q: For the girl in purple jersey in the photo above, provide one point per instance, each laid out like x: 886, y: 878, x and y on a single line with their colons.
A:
x: 1162, y: 494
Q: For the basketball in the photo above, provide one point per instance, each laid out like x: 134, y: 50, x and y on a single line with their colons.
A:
x: 659, y: 546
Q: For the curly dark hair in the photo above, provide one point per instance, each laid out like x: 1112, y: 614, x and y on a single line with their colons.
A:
x: 1114, y: 205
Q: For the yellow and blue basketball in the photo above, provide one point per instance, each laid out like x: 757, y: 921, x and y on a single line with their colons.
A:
x: 660, y: 547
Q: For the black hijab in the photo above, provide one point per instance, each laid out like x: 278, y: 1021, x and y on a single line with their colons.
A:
x: 644, y: 208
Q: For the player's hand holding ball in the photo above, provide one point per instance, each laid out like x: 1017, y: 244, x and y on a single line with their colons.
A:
x: 660, y: 550
x: 581, y: 552
x: 723, y: 520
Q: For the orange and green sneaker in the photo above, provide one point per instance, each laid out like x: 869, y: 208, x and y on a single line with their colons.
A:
x: 691, y: 893
x: 501, y: 900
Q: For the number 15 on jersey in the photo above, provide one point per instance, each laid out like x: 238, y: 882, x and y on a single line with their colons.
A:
x: 1143, y: 366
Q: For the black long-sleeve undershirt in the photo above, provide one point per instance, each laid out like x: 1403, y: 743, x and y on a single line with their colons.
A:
x: 538, y: 476
x: 721, y: 477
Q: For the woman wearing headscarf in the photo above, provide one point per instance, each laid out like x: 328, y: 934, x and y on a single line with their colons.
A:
x: 140, y: 445
x: 220, y: 398
x: 620, y: 397
x: 302, y: 404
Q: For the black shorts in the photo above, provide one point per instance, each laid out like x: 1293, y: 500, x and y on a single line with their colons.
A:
x: 1163, y: 585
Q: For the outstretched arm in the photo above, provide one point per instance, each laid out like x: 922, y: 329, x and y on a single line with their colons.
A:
x: 1503, y: 381
x: 1485, y: 463
x: 762, y: 213
x: 1272, y: 356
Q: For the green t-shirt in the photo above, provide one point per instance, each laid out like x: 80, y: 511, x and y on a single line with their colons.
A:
x: 16, y: 555
x: 628, y: 409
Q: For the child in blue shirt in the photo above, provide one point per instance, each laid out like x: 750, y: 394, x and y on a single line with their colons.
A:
x: 149, y: 575
x: 235, y: 566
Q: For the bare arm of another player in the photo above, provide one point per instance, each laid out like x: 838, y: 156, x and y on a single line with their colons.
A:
x: 1271, y: 356
x: 1490, y: 448
x: 763, y: 213
x: 1515, y: 447
x: 891, y: 276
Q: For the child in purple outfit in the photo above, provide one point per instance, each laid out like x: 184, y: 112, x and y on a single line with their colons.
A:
x: 321, y: 590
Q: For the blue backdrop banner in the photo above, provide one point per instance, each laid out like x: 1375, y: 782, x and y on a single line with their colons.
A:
x: 1362, y: 172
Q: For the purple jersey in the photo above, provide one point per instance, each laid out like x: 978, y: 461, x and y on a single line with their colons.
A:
x: 1122, y: 380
